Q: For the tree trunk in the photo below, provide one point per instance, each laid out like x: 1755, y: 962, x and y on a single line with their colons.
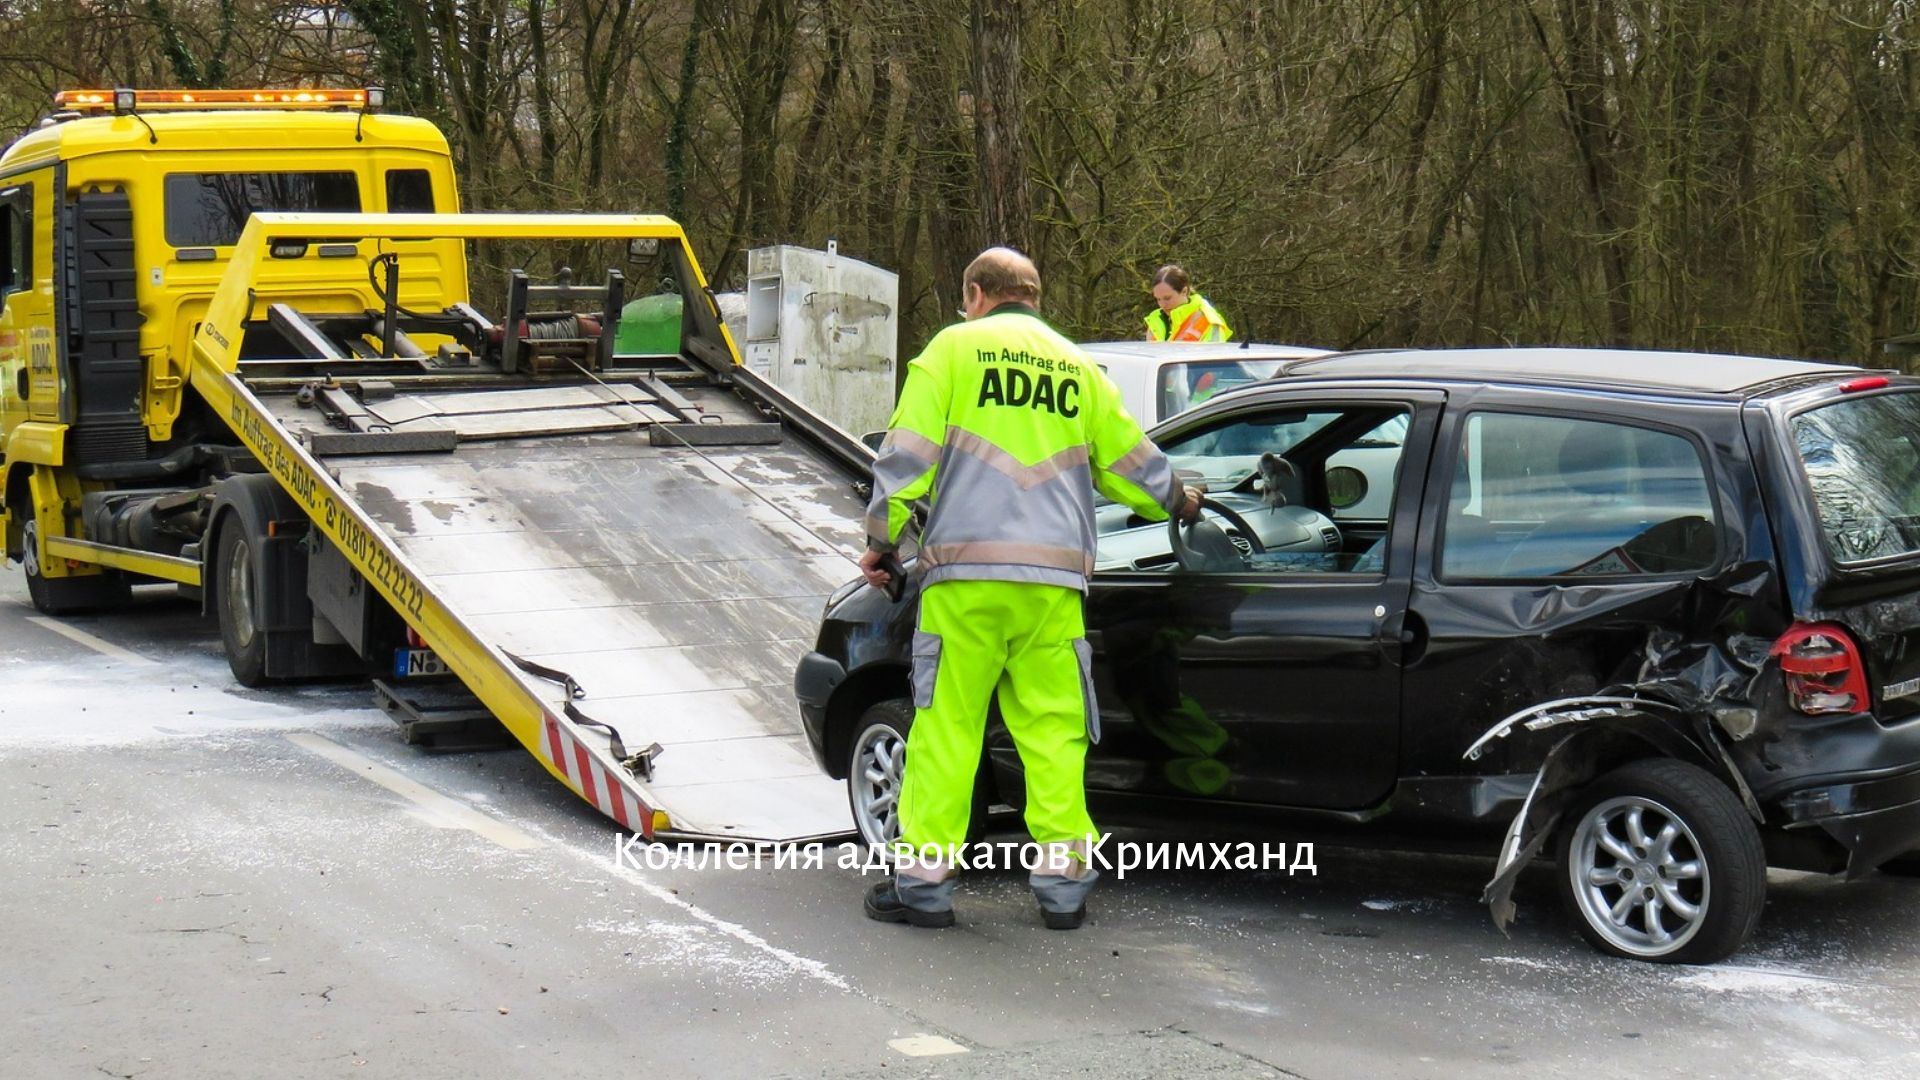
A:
x: 683, y: 113
x: 1581, y: 80
x: 1433, y: 70
x: 547, y: 161
x: 940, y: 158
x: 806, y: 165
x: 999, y: 150
x: 604, y: 53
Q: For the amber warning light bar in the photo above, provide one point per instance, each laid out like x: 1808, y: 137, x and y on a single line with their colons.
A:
x: 123, y: 100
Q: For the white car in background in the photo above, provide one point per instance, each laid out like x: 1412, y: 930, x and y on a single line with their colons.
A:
x: 1159, y: 379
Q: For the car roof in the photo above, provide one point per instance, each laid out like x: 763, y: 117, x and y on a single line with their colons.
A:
x: 1202, y: 351
x: 1614, y: 369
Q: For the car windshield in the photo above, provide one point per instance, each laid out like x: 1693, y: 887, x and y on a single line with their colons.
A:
x: 1225, y: 457
x: 1188, y: 383
x: 1862, y: 459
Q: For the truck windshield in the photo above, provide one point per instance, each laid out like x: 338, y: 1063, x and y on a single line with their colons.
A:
x: 1862, y: 458
x: 210, y: 209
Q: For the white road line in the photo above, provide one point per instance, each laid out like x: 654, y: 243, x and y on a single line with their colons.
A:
x: 926, y: 1046
x: 459, y: 815
x: 800, y: 965
x: 441, y: 811
x: 99, y: 645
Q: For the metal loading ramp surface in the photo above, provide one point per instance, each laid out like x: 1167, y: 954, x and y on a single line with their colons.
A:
x: 660, y: 578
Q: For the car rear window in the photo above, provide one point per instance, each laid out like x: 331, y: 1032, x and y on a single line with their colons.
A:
x: 1188, y: 383
x: 210, y: 209
x: 1862, y: 459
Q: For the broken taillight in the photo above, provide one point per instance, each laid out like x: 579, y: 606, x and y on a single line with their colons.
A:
x: 1822, y: 668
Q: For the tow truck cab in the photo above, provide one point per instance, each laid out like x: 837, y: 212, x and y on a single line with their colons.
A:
x: 118, y: 216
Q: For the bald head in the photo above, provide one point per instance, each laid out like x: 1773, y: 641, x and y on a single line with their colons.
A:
x: 1004, y: 275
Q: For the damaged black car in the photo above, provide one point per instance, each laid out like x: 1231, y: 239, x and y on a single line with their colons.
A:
x: 1654, y: 616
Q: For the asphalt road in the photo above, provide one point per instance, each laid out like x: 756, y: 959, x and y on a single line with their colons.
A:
x: 202, y: 881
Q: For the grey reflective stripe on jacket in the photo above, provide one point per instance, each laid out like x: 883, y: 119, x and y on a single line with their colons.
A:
x: 1148, y: 469
x: 905, y: 457
x: 995, y: 519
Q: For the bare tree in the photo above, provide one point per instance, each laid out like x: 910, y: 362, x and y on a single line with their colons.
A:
x: 1000, y: 152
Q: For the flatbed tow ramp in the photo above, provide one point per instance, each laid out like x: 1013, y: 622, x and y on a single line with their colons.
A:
x: 623, y: 566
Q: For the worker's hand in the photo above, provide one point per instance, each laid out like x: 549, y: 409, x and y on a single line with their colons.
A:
x: 1190, y: 510
x: 870, y: 568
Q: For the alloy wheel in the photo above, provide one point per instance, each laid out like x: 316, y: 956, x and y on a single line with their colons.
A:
x: 1638, y: 875
x: 879, y: 765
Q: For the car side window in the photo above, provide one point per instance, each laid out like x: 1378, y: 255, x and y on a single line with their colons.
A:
x: 1556, y: 497
x: 1306, y: 490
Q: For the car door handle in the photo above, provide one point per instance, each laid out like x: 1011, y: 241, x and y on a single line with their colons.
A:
x: 1406, y: 633
x: 1413, y: 638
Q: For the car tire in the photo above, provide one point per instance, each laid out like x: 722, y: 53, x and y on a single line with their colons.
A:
x: 876, y: 766
x: 237, y: 599
x: 62, y: 596
x: 1659, y: 861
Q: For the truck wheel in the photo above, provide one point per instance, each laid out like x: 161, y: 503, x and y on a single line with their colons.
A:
x: 238, y: 604
x: 1659, y: 861
x: 876, y: 767
x: 61, y: 596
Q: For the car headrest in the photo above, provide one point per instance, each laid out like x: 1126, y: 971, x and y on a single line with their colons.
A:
x: 1594, y: 458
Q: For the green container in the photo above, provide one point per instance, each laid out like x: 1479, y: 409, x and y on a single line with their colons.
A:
x: 649, y: 326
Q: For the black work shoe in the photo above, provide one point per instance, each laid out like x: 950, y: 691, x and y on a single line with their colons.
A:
x: 884, y: 904
x: 1064, y: 920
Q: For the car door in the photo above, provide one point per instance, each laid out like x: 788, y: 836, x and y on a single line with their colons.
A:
x: 1274, y: 680
x: 1567, y: 539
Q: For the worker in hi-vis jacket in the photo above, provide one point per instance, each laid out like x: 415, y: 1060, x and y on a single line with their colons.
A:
x: 1180, y: 313
x: 1010, y: 427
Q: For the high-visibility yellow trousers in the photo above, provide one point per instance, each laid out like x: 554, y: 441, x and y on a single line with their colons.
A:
x: 1025, y: 645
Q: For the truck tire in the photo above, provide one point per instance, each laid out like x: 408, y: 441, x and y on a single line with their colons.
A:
x: 63, y: 596
x: 1659, y: 861
x: 876, y: 766
x: 237, y: 601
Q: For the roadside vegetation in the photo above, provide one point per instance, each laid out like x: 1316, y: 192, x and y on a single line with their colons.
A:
x: 1702, y: 174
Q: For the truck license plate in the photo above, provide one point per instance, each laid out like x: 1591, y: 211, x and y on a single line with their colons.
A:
x: 408, y: 663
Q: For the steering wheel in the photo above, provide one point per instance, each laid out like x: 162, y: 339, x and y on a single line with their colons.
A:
x: 1201, y: 545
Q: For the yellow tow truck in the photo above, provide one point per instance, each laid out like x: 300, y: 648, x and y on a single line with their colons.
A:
x: 239, y: 354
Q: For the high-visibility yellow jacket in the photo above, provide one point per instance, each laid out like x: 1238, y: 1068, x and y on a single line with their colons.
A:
x: 1195, y: 320
x: 1011, y: 427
